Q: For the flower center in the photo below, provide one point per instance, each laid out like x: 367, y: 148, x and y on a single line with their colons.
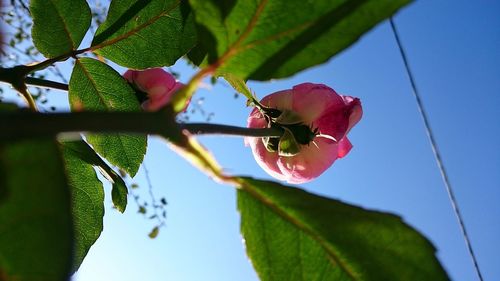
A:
x: 295, y: 134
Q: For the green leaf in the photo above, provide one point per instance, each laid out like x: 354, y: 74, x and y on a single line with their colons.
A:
x: 267, y: 39
x: 141, y: 34
x: 87, y: 203
x: 59, y: 25
x: 119, y: 190
x: 36, y: 236
x: 239, y: 85
x: 294, y: 235
x: 154, y: 232
x: 122, y: 150
x: 119, y: 194
x: 95, y: 86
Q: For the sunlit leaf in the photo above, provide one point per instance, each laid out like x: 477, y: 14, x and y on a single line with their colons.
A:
x: 119, y: 190
x: 87, y: 203
x: 36, y: 236
x: 59, y: 25
x: 119, y: 196
x: 267, y: 39
x: 94, y: 86
x: 294, y: 235
x: 145, y: 33
x: 239, y: 85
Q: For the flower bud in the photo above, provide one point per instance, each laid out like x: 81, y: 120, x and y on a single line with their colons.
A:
x: 315, y: 120
x: 158, y: 84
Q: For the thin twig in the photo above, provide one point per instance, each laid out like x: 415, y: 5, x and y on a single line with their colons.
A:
x: 435, y: 150
x: 161, y: 222
x: 43, y: 83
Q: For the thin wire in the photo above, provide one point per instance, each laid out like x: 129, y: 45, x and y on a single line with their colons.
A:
x: 435, y: 150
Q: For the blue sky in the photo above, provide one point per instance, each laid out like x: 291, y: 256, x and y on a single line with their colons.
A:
x: 453, y: 47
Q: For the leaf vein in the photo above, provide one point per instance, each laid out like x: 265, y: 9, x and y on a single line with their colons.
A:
x: 94, y: 85
x: 63, y: 24
x: 248, y: 188
x: 135, y: 30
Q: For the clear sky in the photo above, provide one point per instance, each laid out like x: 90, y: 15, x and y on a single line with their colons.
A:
x: 453, y: 47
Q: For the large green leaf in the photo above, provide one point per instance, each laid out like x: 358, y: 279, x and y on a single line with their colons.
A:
x: 294, y: 235
x: 87, y: 203
x: 36, y: 234
x: 59, y: 25
x: 266, y: 39
x: 119, y: 190
x: 146, y: 33
x: 97, y: 87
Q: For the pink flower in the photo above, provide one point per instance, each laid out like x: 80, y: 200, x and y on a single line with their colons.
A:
x: 315, y: 120
x: 159, y: 85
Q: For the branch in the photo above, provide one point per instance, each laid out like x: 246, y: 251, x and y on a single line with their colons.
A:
x: 32, y: 81
x: 18, y: 125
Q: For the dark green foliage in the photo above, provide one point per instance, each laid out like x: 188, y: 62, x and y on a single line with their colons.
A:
x: 36, y: 234
x: 87, y: 203
x: 268, y: 39
x: 95, y: 86
x: 294, y: 235
x: 119, y: 190
x: 146, y: 33
x: 59, y: 25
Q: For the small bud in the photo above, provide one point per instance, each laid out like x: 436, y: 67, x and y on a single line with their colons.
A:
x: 157, y: 85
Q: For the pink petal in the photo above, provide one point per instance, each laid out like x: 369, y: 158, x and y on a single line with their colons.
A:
x: 333, y: 122
x: 158, y: 91
x: 310, y: 163
x: 158, y: 98
x: 154, y: 77
x: 153, y: 104
x: 311, y: 100
x: 336, y: 121
x: 344, y: 147
x: 255, y: 120
x: 268, y: 161
x: 280, y: 100
x: 356, y: 111
x: 130, y: 75
x: 255, y: 114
